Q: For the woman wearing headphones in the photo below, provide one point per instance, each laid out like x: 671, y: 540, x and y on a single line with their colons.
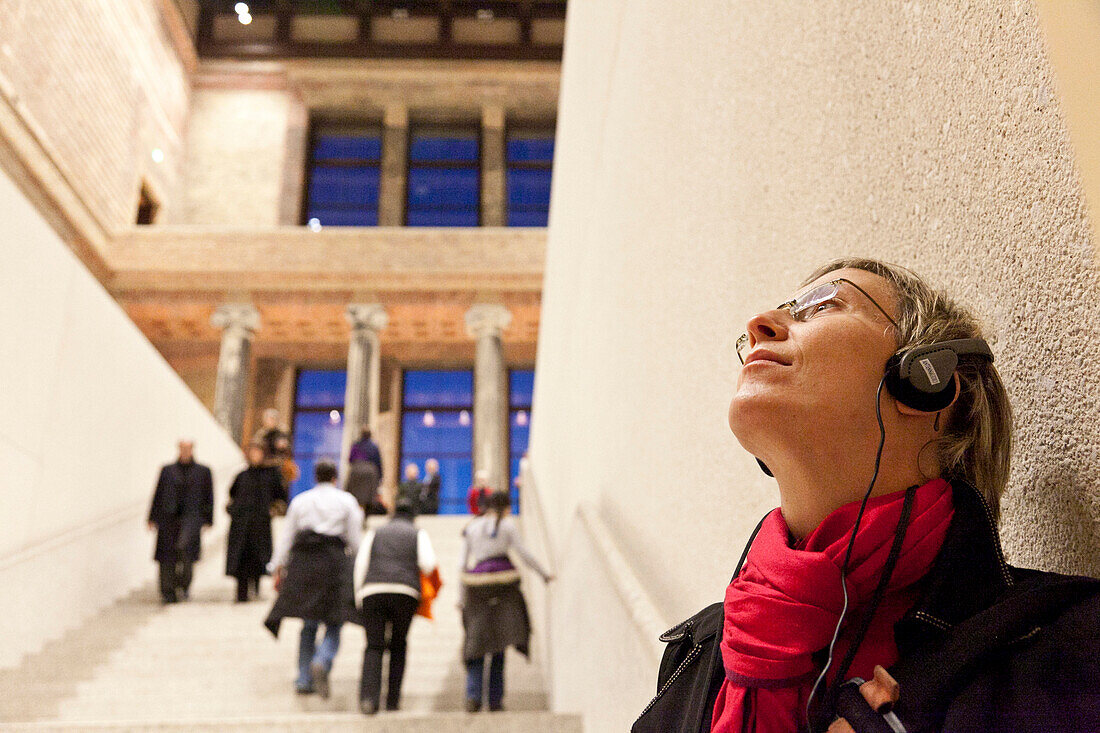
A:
x: 874, y: 402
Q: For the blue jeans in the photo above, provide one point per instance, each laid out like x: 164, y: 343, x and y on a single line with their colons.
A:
x: 475, y: 672
x: 309, y: 652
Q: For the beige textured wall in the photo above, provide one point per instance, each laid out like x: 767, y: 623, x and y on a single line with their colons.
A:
x: 101, y: 85
x: 708, y: 160
x: 1071, y: 29
x: 237, y: 145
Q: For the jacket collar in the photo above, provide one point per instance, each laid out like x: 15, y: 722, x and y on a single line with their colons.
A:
x: 969, y: 574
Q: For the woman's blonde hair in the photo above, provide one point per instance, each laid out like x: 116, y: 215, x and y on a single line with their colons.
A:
x: 976, y: 444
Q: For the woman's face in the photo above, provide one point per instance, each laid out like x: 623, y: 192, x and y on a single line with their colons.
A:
x: 815, y: 378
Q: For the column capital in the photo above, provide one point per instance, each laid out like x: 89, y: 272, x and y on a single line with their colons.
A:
x: 367, y: 316
x: 395, y: 115
x: 236, y: 317
x: 487, y: 319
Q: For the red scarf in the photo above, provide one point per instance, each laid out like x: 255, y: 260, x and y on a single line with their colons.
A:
x: 785, y: 604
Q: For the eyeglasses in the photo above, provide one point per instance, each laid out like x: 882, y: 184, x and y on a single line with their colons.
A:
x: 806, y: 306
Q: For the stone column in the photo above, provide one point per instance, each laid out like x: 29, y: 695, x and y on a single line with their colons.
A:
x: 238, y: 322
x: 486, y: 323
x: 391, y: 186
x: 364, y: 368
x: 493, y: 194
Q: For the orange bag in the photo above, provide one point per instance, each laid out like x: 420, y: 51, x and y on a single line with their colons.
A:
x: 429, y: 590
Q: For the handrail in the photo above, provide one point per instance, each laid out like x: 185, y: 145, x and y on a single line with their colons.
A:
x: 531, y: 498
x: 649, y: 623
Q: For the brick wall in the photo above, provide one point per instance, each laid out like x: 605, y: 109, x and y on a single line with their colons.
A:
x: 237, y: 150
x: 101, y: 83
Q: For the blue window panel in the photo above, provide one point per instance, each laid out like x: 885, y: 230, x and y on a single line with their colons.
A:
x: 443, y: 187
x: 344, y: 147
x: 537, y: 218
x: 430, y: 388
x: 531, y: 149
x: 442, y: 218
x: 316, y: 437
x: 344, y: 217
x: 318, y: 388
x: 451, y: 149
x: 306, y: 464
x: 341, y: 185
x: 519, y: 434
x: 316, y: 433
x: 447, y: 436
x: 528, y: 187
x: 521, y: 387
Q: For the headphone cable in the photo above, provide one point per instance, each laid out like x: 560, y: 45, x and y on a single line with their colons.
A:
x: 848, y: 552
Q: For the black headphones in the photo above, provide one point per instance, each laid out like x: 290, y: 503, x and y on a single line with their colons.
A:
x: 919, y: 377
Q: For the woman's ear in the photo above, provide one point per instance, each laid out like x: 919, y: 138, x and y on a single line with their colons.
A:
x: 905, y: 409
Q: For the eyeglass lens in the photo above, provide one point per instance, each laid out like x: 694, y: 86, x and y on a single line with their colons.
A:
x: 800, y: 309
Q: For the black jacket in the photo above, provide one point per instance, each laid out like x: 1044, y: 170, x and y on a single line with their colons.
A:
x: 248, y: 547
x: 317, y: 585
x: 182, y: 503
x: 988, y: 647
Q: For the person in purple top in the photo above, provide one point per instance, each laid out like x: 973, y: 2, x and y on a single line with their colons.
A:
x: 365, y: 473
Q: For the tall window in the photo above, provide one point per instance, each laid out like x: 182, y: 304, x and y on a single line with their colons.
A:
x: 530, y: 163
x: 345, y: 168
x: 437, y: 422
x: 521, y: 385
x: 444, y: 187
x: 318, y: 422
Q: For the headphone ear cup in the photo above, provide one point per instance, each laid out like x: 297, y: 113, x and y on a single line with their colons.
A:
x: 904, y: 392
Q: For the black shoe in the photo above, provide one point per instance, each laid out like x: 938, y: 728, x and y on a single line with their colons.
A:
x: 496, y: 707
x: 392, y: 707
x: 368, y: 707
x: 472, y: 706
x: 320, y: 679
x: 165, y: 600
x: 307, y: 690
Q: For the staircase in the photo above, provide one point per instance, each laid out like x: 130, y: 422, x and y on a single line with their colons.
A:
x: 208, y: 664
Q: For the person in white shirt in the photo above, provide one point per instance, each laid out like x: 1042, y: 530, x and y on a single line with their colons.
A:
x: 387, y: 593
x: 312, y: 573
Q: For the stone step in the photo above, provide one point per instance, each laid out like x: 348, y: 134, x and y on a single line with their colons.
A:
x: 386, y: 722
x: 209, y: 663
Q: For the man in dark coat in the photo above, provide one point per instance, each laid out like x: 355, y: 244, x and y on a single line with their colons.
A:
x: 182, y: 505
x: 251, y: 497
x: 429, y: 490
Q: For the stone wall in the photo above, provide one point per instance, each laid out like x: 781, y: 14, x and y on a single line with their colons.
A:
x: 707, y: 161
x: 101, y: 83
x: 237, y: 149
x: 91, y: 412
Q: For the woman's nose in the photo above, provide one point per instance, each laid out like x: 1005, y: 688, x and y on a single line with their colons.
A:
x: 767, y: 326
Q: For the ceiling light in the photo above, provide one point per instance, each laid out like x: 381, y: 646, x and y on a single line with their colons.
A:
x: 521, y: 419
x: 464, y: 418
x: 399, y: 13
x: 314, y: 224
x: 157, y: 155
x: 240, y: 8
x: 429, y: 419
x: 245, y: 18
x: 485, y: 15
x: 334, y: 417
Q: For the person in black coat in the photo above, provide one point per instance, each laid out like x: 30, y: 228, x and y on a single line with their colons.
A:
x: 251, y: 497
x: 183, y: 504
